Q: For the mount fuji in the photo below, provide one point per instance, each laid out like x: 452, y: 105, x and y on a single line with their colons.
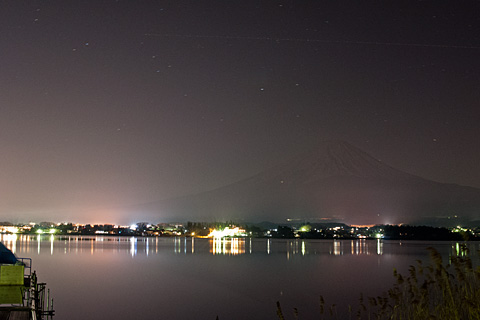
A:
x: 338, y: 182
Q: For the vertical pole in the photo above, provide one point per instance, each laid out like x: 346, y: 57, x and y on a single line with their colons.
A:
x: 36, y: 294
x: 48, y: 299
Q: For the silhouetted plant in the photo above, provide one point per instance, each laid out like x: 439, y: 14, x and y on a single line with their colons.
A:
x: 435, y: 291
x: 279, y: 311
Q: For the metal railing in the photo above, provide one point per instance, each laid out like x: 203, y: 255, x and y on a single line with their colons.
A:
x: 27, y: 264
x: 39, y: 299
x: 36, y: 295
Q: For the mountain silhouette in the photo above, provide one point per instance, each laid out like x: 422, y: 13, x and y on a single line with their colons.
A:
x: 337, y: 182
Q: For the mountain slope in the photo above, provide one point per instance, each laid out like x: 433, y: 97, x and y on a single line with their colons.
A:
x: 338, y: 182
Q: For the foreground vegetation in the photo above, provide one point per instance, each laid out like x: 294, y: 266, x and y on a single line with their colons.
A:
x: 433, y: 291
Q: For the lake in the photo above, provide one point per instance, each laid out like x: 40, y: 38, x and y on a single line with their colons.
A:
x: 101, y: 277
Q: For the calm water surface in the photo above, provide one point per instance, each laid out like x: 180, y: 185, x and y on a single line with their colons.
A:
x: 183, y: 278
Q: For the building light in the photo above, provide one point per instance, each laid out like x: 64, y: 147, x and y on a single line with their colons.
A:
x: 9, y: 229
x: 227, y: 232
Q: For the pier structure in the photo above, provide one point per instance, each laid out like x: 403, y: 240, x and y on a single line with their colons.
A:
x: 22, y: 297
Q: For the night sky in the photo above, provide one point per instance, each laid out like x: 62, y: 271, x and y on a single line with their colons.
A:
x: 107, y: 104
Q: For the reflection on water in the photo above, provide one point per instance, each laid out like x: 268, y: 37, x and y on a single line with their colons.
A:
x: 40, y: 244
x: 356, y: 247
x: 293, y: 271
x: 379, y: 247
x: 10, y: 240
x: 337, y: 248
x: 230, y: 246
x: 461, y: 249
x: 133, y: 246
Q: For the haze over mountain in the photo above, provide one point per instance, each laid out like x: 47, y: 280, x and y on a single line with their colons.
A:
x: 337, y: 182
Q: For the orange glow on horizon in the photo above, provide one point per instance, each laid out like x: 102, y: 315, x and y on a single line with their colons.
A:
x: 362, y: 225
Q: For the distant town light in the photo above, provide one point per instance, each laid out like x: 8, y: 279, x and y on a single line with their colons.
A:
x: 305, y: 228
x: 227, y: 232
x: 9, y: 229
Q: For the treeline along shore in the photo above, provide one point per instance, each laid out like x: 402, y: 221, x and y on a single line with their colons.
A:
x: 303, y: 230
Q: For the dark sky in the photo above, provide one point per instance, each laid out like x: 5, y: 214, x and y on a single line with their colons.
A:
x: 105, y: 104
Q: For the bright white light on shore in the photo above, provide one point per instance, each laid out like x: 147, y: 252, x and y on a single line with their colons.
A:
x: 305, y: 228
x: 227, y: 232
x: 10, y: 229
x: 133, y: 227
x: 39, y: 231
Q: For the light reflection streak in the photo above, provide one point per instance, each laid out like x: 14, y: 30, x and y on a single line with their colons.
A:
x: 337, y: 248
x: 52, y: 238
x: 379, y: 247
x: 177, y: 245
x: 23, y: 243
x: 11, y: 241
x: 133, y: 246
x: 98, y: 239
x: 361, y: 247
x: 460, y: 250
x: 229, y: 246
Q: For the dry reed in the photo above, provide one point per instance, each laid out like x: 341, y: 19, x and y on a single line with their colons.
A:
x: 435, y: 291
